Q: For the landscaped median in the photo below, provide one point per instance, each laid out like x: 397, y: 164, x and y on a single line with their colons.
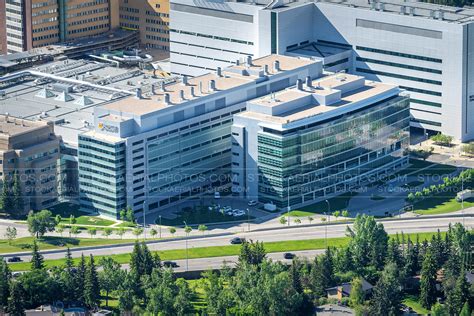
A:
x: 222, y: 251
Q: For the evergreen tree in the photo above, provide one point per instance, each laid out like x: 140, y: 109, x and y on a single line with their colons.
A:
x: 5, y: 276
x: 7, y: 200
x: 295, y: 276
x: 136, y: 259
x: 91, y: 285
x: 411, y: 259
x: 386, y: 295
x: 16, y: 306
x: 394, y: 253
x: 18, y: 204
x: 466, y: 310
x: 69, y: 277
x: 438, y: 310
x: 182, y: 304
x: 252, y: 252
x: 81, y: 279
x: 322, y: 273
x: 428, y: 281
x: 37, y: 260
x: 459, y: 294
x: 147, y: 260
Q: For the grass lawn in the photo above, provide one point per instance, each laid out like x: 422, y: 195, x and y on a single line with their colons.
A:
x: 337, y: 203
x: 200, y: 216
x: 51, y: 242
x: 82, y: 218
x: 412, y: 301
x: 126, y: 225
x: 440, y: 204
x: 228, y: 250
x: 416, y: 166
x: 198, y: 299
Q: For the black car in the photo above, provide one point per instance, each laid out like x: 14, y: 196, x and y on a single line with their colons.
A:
x: 288, y: 255
x: 170, y: 264
x: 237, y: 240
x: 14, y: 259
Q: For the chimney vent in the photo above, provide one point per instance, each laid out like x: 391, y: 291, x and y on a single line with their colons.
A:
x: 185, y: 80
x: 181, y: 95
x: 309, y: 82
x: 249, y: 61
x: 167, y: 99
x: 276, y: 66
x: 162, y: 86
x: 212, y: 85
x: 138, y: 93
x: 191, y: 91
x: 299, y: 84
x: 153, y: 90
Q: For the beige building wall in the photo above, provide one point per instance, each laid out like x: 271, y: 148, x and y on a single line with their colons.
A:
x: 151, y: 18
x: 86, y: 18
x: 32, y: 150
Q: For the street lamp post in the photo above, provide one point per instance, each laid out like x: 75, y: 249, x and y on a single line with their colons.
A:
x: 326, y: 226
x: 160, y: 226
x: 185, y: 226
x: 144, y: 220
x: 329, y: 210
x: 288, y: 198
x: 248, y: 219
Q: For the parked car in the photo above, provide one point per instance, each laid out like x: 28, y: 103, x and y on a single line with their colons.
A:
x: 238, y: 213
x: 252, y: 203
x: 229, y: 212
x: 170, y: 264
x: 288, y: 255
x: 237, y: 240
x: 217, y: 195
x: 14, y: 259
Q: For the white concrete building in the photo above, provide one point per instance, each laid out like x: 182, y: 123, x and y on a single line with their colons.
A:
x: 424, y: 48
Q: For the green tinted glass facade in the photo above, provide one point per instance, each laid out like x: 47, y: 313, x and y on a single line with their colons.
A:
x: 333, y: 156
x: 102, y: 178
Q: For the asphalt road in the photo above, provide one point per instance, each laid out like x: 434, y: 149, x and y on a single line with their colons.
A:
x: 417, y: 225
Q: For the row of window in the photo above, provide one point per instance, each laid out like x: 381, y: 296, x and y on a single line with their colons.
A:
x: 204, y: 57
x: 213, y: 48
x: 398, y: 76
x: 226, y: 39
x: 398, y: 54
x: 405, y: 66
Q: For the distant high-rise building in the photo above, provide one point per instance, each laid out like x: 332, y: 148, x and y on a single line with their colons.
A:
x: 424, y: 48
x: 35, y: 23
x: 151, y: 18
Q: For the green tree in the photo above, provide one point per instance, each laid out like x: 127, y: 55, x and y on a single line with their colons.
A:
x: 357, y: 296
x: 68, y: 277
x: 182, y: 303
x: 322, y: 273
x: 202, y: 228
x: 336, y: 214
x: 7, y: 196
x: 466, y: 310
x: 438, y: 310
x: 428, y: 281
x: 172, y: 230
x: 459, y: 295
x: 18, y: 204
x: 442, y: 140
x: 107, y: 232
x: 153, y: 233
x: 368, y: 242
x: 40, y: 223
x: 252, y: 252
x: 137, y: 231
x: 130, y: 215
x: 345, y: 213
x: 386, y: 294
x: 72, y: 219
x: 10, y: 234
x: 60, y: 229
x: 74, y: 230
x: 81, y: 279
x: 283, y: 220
x: 188, y: 229
x: 37, y: 260
x: 110, y: 277
x: 5, y: 277
x: 123, y: 215
x: 40, y: 288
x: 120, y: 232
x: 468, y: 148
x: 58, y: 219
x: 16, y: 306
x: 310, y: 219
x: 91, y: 285
x: 92, y: 231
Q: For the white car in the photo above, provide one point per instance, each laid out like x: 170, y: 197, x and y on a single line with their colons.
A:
x: 252, y: 203
x: 238, y: 213
x: 217, y: 195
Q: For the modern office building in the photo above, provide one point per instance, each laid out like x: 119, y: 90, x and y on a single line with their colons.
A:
x: 65, y: 92
x: 313, y: 141
x: 173, y: 141
x: 30, y: 149
x: 424, y: 48
x: 36, y: 23
x: 151, y: 19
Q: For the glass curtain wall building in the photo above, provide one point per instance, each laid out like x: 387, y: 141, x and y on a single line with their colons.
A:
x: 305, y: 149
